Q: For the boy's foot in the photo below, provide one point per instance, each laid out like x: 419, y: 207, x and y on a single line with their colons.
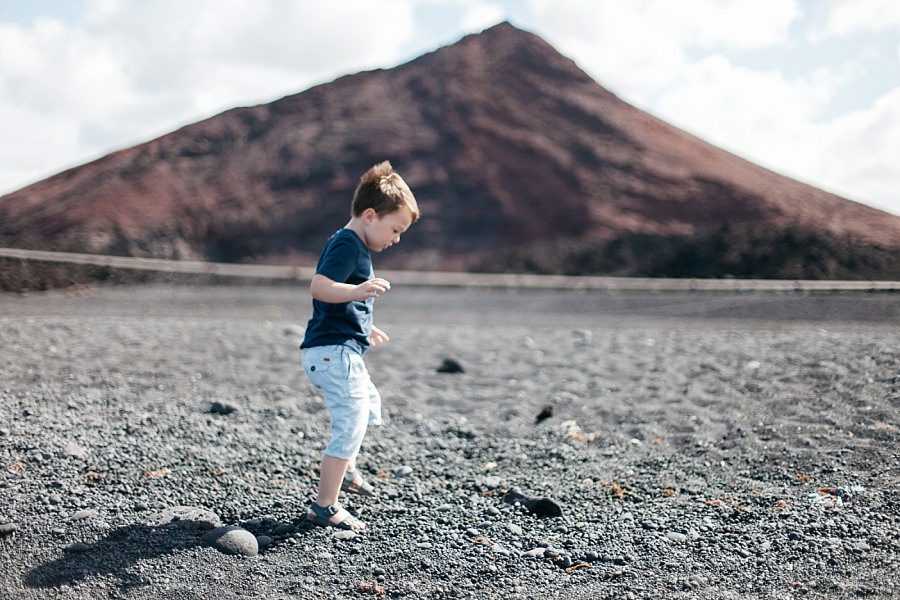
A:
x: 333, y: 516
x: 355, y: 484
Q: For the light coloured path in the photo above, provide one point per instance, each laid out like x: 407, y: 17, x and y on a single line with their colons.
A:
x: 453, y: 279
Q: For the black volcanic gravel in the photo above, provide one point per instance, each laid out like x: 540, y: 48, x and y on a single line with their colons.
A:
x: 700, y: 446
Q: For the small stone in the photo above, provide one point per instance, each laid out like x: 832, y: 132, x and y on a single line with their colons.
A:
x: 232, y: 540
x: 8, y: 529
x: 676, y: 537
x: 696, y: 582
x: 219, y: 408
x: 541, y: 507
x: 444, y: 508
x: 514, y: 529
x: 582, y: 337
x: 77, y: 547
x: 83, y: 515
x: 548, y: 411
x: 264, y: 541
x: 564, y: 562
x: 534, y: 553
x: 492, y: 482
x: 344, y: 534
x: 450, y: 366
x: 403, y: 471
x: 74, y: 450
x: 190, y: 517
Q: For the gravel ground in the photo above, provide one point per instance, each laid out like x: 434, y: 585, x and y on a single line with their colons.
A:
x: 162, y: 442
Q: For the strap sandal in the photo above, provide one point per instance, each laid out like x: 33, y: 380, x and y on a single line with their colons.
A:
x: 355, y: 484
x: 324, y: 516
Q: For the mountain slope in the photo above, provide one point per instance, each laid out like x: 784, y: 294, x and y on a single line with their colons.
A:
x: 505, y: 142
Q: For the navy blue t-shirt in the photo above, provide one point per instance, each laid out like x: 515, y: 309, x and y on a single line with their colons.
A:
x: 345, y: 259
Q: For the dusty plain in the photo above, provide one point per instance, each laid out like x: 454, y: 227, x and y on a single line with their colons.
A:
x: 702, y: 445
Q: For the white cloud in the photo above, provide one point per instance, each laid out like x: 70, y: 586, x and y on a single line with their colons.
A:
x: 132, y: 70
x: 758, y: 114
x: 860, y: 150
x: 641, y: 47
x: 479, y: 15
x: 769, y: 119
x: 851, y: 16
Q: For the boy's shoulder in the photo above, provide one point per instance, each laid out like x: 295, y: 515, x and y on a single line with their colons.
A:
x: 344, y: 240
x: 344, y: 235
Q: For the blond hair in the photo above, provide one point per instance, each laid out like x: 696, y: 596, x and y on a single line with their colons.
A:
x: 382, y: 189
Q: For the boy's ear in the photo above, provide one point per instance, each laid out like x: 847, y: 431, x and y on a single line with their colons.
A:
x: 369, y: 215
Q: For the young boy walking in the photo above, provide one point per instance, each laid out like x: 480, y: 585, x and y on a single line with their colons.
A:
x: 344, y: 289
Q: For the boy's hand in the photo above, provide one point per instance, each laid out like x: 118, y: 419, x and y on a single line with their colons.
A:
x: 378, y: 336
x: 372, y: 288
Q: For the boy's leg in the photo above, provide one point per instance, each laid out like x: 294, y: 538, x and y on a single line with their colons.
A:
x: 341, y: 375
x: 331, y: 475
x: 354, y: 403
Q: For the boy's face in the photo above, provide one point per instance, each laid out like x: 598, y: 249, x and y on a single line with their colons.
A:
x: 383, y: 231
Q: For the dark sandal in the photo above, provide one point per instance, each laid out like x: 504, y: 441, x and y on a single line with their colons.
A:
x: 355, y: 484
x: 322, y: 516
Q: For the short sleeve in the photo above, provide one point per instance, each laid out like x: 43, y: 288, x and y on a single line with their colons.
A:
x: 339, y: 262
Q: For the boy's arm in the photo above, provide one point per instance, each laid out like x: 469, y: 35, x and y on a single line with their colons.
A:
x: 327, y: 290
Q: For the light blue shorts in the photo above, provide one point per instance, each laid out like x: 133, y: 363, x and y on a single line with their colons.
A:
x: 350, y: 395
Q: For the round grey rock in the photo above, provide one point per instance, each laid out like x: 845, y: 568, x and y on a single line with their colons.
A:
x: 232, y: 540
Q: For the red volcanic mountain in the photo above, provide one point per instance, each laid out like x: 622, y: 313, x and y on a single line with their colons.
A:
x: 507, y: 144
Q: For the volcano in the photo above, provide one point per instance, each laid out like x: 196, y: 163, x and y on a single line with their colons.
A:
x: 507, y: 144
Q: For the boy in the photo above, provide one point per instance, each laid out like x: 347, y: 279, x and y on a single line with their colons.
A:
x: 344, y: 289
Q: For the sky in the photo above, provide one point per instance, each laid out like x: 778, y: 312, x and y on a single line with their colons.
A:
x: 807, y: 88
